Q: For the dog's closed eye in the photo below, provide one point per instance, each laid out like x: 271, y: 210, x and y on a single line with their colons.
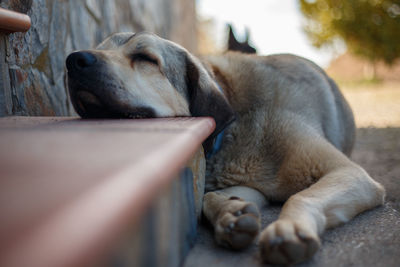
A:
x: 143, y: 57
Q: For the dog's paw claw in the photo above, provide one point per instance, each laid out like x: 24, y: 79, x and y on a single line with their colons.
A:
x: 238, y: 213
x: 287, y: 242
x: 238, y: 224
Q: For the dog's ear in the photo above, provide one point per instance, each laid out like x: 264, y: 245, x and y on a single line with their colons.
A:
x: 233, y: 43
x: 205, y: 96
x: 190, y: 78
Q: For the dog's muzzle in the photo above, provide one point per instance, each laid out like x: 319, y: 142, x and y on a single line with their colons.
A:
x: 79, y: 61
x: 89, y: 95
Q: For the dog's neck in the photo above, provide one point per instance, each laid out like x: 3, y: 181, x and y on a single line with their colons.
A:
x: 216, y: 146
x: 217, y: 142
x: 213, y: 145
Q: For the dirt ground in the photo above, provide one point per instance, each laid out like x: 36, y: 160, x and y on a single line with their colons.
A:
x: 374, y: 105
x: 373, y: 237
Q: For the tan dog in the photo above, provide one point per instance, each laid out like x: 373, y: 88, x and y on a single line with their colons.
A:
x: 287, y: 134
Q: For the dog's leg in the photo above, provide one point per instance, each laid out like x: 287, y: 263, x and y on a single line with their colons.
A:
x: 234, y: 213
x: 343, y: 191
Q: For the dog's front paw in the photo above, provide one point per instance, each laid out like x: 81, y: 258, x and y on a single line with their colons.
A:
x: 238, y: 224
x: 288, y: 242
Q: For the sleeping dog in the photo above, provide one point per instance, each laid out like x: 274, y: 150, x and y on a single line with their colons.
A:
x: 284, y: 133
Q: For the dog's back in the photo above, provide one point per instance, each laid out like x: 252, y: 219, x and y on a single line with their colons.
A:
x: 286, y: 87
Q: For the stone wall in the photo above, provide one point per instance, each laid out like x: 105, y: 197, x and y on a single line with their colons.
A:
x: 32, y: 63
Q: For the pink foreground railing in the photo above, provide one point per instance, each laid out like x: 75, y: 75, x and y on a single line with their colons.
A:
x: 11, y: 21
x: 69, y: 187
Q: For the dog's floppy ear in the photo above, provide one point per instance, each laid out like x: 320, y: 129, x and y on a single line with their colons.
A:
x: 205, y: 96
x: 185, y: 71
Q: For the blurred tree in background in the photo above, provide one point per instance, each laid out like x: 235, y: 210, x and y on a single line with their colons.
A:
x: 370, y: 28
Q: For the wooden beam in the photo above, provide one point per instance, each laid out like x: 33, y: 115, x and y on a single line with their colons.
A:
x: 11, y: 21
x: 69, y: 187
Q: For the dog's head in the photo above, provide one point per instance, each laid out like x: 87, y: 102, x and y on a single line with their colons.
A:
x: 143, y: 76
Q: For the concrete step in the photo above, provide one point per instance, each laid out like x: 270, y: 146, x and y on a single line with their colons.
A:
x: 99, y: 193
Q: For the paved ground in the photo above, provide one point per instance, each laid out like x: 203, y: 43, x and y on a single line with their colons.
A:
x: 370, y: 239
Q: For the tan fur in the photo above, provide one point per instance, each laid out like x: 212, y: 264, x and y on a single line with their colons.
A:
x: 290, y: 141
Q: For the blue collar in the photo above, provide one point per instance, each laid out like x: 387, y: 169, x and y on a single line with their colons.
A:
x: 216, y: 146
x: 218, y: 140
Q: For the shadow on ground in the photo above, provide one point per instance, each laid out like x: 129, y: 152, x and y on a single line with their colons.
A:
x: 370, y: 239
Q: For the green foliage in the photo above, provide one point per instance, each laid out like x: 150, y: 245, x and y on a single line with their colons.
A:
x: 370, y: 28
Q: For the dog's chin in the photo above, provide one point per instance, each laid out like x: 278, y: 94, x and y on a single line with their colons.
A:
x: 89, y: 106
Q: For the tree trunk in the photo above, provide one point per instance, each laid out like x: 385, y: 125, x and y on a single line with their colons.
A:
x: 370, y: 71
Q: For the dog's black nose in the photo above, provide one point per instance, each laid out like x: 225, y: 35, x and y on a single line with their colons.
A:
x: 80, y: 60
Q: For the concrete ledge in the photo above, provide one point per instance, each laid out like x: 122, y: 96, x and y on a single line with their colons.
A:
x: 72, y: 190
x: 168, y: 231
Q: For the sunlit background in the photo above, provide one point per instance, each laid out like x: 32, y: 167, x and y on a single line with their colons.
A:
x: 275, y: 26
x: 278, y: 26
